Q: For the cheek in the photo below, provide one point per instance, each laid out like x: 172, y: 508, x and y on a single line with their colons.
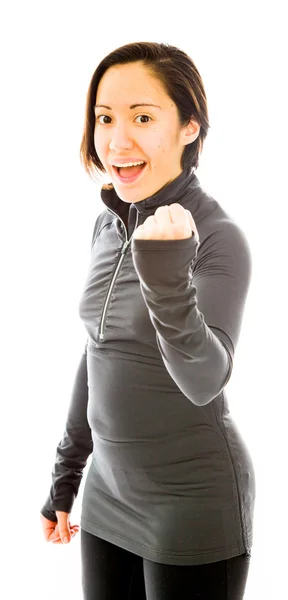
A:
x: 156, y: 146
x: 100, y: 145
x: 162, y: 142
x: 97, y: 137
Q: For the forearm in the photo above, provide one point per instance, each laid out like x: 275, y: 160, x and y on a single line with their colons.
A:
x: 74, y: 448
x: 193, y: 355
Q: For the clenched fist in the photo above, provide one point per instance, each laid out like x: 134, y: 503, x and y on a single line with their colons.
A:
x: 168, y: 223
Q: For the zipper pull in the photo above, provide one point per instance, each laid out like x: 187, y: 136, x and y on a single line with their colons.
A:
x: 125, y: 246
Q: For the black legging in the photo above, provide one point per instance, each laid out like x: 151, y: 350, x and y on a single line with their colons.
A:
x: 110, y: 572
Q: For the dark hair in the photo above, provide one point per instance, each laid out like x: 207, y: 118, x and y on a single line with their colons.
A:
x: 179, y: 78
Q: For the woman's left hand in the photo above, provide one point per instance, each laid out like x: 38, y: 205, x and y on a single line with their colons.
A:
x: 168, y: 223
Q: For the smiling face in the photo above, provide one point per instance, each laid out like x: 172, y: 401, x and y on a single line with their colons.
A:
x: 148, y: 133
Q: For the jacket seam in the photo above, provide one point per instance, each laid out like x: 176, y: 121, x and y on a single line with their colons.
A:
x: 238, y: 484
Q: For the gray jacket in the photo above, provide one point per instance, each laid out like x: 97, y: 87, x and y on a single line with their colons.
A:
x: 171, y: 478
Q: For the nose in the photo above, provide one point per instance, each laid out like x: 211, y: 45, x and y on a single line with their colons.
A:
x: 120, y: 139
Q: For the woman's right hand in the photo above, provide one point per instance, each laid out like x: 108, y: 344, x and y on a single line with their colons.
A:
x: 57, y: 531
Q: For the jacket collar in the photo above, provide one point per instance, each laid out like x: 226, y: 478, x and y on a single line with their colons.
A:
x: 183, y: 190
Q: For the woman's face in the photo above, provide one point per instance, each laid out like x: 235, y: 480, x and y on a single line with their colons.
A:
x: 145, y: 133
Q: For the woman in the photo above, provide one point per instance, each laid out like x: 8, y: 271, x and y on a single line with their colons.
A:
x: 168, y: 501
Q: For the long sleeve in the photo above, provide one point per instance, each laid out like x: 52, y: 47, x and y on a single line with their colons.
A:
x: 73, y: 450
x: 195, y: 294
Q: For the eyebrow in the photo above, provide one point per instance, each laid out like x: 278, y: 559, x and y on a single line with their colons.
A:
x: 131, y: 107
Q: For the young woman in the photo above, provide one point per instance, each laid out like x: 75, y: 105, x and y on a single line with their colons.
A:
x: 168, y: 501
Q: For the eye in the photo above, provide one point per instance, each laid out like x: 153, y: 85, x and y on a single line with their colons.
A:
x: 107, y: 117
x: 146, y: 116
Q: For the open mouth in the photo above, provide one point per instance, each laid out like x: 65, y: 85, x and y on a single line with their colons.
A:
x: 127, y: 178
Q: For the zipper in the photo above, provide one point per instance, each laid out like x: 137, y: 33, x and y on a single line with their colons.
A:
x: 114, y: 277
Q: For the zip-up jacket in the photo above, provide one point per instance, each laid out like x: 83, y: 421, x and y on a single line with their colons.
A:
x: 171, y: 478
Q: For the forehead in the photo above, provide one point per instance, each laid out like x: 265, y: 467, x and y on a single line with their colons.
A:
x: 122, y: 85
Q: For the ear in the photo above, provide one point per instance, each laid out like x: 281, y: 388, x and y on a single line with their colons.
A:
x: 190, y: 132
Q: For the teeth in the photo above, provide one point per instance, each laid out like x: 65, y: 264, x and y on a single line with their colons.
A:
x: 131, y: 164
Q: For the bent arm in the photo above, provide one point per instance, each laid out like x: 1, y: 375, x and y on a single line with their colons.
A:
x: 196, y: 312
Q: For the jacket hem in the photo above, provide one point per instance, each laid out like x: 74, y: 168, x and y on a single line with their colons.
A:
x: 163, y: 557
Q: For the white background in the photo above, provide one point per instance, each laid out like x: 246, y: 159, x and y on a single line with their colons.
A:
x: 49, y: 51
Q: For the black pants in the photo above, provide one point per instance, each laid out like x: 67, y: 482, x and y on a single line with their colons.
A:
x: 110, y: 572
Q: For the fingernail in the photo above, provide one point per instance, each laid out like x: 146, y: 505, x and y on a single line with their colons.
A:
x: 66, y: 540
